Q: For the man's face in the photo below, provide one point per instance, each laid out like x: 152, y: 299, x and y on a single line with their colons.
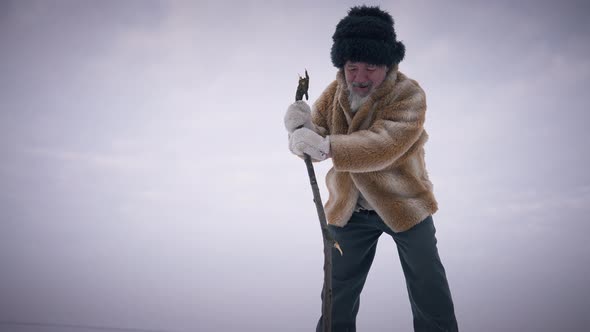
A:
x: 363, y: 78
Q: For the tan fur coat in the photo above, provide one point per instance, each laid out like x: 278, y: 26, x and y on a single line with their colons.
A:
x: 378, y: 151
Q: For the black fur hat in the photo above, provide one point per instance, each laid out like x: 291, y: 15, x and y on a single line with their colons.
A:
x: 366, y: 35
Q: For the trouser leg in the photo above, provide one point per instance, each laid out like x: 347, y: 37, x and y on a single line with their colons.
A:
x: 428, y: 289
x: 358, y: 240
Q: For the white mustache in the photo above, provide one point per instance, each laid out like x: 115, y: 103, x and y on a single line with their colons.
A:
x: 361, y: 84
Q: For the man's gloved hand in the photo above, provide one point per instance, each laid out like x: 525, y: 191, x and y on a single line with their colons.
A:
x: 305, y: 141
x: 298, y: 115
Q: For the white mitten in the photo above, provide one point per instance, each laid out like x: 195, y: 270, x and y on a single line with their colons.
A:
x: 305, y: 141
x: 298, y: 115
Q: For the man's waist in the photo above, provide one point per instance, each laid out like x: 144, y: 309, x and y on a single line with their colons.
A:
x: 365, y: 211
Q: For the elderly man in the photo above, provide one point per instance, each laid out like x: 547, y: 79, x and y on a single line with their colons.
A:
x: 369, y: 121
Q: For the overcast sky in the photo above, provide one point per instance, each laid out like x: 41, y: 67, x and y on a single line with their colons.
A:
x: 147, y: 184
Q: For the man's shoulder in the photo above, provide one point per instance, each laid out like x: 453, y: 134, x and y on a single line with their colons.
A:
x: 403, y: 90
x: 404, y: 99
x: 407, y: 84
x: 327, y: 96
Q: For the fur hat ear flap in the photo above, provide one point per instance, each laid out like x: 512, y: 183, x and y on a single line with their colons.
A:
x: 366, y: 35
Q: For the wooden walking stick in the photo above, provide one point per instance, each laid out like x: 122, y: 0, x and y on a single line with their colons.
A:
x: 329, y: 241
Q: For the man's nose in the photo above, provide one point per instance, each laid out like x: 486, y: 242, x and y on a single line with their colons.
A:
x: 361, y: 76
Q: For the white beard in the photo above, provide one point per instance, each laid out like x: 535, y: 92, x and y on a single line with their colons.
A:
x: 356, y: 101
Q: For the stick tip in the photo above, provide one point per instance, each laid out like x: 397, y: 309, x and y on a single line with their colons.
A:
x: 337, y: 246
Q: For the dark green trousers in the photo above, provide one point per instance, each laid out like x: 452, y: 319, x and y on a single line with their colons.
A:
x: 426, y: 281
